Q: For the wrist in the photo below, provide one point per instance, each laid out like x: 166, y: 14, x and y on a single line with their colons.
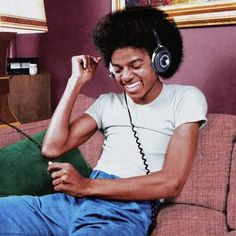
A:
x: 87, y: 190
x: 74, y: 84
x: 81, y: 78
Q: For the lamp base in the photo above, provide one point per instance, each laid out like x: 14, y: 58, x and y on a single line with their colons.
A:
x: 5, y: 40
x: 5, y: 111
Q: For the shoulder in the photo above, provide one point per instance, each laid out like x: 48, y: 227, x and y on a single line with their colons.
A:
x: 185, y: 92
x: 110, y: 98
x: 103, y: 106
x: 189, y: 103
x: 179, y: 89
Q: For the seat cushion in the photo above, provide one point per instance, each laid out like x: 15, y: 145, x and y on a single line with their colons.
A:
x: 9, y: 135
x: 231, y: 203
x: 209, y: 178
x: 183, y: 220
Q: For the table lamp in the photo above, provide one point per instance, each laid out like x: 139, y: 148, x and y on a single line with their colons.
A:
x: 16, y: 17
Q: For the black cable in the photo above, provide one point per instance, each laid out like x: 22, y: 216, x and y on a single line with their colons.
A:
x: 137, y: 139
x: 153, y: 203
x: 22, y: 133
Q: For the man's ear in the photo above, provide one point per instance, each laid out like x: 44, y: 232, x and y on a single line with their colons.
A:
x: 112, y: 71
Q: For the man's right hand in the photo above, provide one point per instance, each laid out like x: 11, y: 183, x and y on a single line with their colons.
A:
x: 83, y: 67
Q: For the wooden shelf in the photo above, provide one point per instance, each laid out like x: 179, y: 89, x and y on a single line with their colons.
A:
x: 5, y: 111
x: 30, y: 97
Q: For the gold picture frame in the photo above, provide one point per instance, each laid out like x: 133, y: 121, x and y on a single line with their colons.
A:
x: 197, y: 14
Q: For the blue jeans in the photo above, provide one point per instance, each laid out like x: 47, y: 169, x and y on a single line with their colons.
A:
x: 64, y: 215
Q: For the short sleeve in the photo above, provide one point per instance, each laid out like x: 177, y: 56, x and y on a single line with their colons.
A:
x: 96, y: 111
x: 191, y: 106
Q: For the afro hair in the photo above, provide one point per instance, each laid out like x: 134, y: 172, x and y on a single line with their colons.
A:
x: 133, y: 27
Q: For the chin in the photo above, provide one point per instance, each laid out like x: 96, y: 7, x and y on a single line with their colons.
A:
x: 137, y: 98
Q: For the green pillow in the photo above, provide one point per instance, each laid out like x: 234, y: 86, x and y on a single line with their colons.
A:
x: 23, y: 171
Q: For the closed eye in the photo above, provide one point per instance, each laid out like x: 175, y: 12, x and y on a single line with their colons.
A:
x: 117, y: 70
x: 136, y: 66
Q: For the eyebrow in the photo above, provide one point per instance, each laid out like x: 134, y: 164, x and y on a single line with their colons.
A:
x: 131, y: 62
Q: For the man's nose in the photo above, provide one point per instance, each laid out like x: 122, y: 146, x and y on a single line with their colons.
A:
x: 127, y: 75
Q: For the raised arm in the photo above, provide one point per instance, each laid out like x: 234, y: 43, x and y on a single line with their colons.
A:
x: 62, y: 135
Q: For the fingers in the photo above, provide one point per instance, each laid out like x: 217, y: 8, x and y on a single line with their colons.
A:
x: 66, y: 178
x: 61, y: 180
x: 85, y: 62
x: 58, y: 174
x: 55, y: 166
x: 58, y: 171
x: 90, y: 62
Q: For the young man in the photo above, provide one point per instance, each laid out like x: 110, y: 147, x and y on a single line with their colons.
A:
x: 150, y: 130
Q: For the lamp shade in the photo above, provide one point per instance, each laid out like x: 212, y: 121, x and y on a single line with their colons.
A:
x: 22, y: 16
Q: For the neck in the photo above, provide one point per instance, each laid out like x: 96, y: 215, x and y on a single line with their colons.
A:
x: 151, y: 95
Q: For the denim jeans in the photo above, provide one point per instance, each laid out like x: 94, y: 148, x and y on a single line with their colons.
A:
x: 64, y: 215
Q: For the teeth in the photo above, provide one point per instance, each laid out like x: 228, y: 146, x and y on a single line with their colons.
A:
x: 130, y: 86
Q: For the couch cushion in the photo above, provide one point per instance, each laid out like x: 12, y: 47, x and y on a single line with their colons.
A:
x: 231, y: 233
x: 231, y: 203
x: 9, y: 135
x: 186, y: 220
x: 24, y: 171
x: 208, y: 180
x: 91, y: 149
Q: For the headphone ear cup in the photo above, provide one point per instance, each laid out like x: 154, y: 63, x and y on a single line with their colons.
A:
x: 161, y: 59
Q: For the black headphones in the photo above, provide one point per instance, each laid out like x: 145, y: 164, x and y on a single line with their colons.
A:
x: 161, y: 58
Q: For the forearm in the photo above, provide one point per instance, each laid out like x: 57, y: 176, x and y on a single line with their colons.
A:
x: 167, y: 183
x: 60, y: 137
x: 154, y: 186
x: 58, y: 129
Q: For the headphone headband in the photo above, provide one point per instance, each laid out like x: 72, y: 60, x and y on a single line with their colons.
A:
x: 161, y: 58
x: 156, y: 37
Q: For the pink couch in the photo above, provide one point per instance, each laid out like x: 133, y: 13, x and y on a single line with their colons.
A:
x: 207, y: 205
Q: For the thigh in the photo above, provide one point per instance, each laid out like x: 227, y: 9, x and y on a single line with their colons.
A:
x: 101, y: 217
x: 28, y: 215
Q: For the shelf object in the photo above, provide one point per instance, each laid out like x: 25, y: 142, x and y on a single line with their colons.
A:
x: 5, y: 39
x: 15, y: 18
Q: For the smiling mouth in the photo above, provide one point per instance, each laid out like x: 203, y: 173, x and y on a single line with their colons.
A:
x: 132, y: 86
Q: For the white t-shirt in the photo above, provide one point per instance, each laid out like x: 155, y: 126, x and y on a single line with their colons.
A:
x: 155, y: 123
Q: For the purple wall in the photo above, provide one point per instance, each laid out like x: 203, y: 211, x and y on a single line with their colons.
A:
x: 208, y: 63
x: 70, y: 26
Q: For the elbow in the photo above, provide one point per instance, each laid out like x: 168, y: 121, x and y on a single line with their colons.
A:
x: 174, y: 187
x: 49, y: 152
